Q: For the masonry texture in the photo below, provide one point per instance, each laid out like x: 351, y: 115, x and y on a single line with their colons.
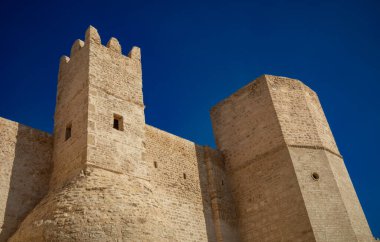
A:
x: 106, y: 175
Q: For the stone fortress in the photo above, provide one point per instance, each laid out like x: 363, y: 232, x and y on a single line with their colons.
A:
x: 106, y: 175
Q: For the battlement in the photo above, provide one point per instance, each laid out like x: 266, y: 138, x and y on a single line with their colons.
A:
x: 92, y: 37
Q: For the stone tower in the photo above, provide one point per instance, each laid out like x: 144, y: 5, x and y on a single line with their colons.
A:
x: 288, y: 179
x: 99, y: 186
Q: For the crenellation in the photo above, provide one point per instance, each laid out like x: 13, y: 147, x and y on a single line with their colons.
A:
x: 135, y: 53
x: 106, y: 175
x: 92, y: 36
x: 64, y: 59
x: 77, y: 45
x: 114, y: 45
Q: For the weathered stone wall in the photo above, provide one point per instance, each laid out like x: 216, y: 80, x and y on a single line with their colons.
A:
x: 264, y: 185
x: 219, y: 192
x: 275, y: 135
x: 180, y: 186
x: 350, y: 199
x: 191, y: 188
x: 115, y: 88
x: 312, y: 148
x: 322, y: 198
x: 342, y: 178
x: 69, y: 156
x: 98, y: 205
x: 300, y: 114
x: 25, y: 168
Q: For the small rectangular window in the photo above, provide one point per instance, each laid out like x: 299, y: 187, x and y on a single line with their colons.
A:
x: 184, y: 175
x: 117, y: 122
x: 68, y: 132
x: 155, y: 164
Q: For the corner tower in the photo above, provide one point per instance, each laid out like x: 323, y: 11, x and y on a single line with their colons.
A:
x: 288, y: 178
x: 100, y: 187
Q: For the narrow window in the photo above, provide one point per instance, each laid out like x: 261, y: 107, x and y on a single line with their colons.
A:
x: 222, y: 182
x: 155, y: 164
x: 68, y: 132
x: 117, y: 122
x: 184, y: 175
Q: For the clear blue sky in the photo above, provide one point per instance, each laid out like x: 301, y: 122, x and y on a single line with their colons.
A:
x: 195, y: 53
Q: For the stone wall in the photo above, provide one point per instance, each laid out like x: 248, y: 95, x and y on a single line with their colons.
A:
x: 179, y: 181
x: 115, y: 90
x: 25, y: 169
x: 191, y: 188
x: 300, y: 114
x: 187, y: 185
x: 285, y: 165
x: 219, y: 192
x: 322, y: 197
x: 350, y: 198
x: 264, y: 185
x: 313, y: 150
x: 69, y: 155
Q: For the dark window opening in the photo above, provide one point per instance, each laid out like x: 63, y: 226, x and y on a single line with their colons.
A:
x: 68, y: 132
x: 184, y: 175
x: 117, y: 122
x: 222, y: 182
x: 315, y: 176
x: 155, y: 164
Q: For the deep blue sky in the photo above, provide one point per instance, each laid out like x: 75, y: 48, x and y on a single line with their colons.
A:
x: 195, y: 53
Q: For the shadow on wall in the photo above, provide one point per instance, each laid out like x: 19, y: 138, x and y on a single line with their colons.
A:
x: 218, y: 205
x: 29, y: 176
x: 206, y: 200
